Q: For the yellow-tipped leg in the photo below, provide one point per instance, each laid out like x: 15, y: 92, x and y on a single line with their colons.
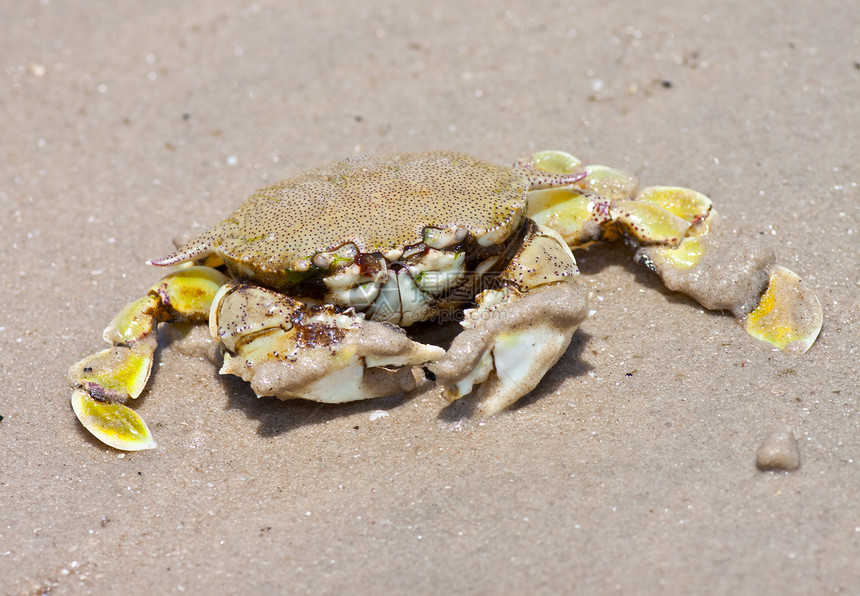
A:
x: 788, y: 315
x: 116, y: 373
x: 649, y: 223
x: 188, y: 293
x: 770, y: 301
x: 112, y: 423
x: 610, y: 184
x: 687, y: 204
x: 582, y: 213
x: 577, y: 217
x: 672, y: 230
x: 738, y: 275
x: 663, y: 215
x: 121, y: 372
x: 133, y: 322
x: 554, y: 161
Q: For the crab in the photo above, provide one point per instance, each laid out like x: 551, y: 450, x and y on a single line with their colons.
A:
x: 308, y: 288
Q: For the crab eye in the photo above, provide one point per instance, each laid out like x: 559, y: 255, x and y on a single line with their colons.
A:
x: 443, y: 238
x: 322, y: 260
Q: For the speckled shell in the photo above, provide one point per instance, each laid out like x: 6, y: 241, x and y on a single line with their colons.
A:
x: 376, y: 203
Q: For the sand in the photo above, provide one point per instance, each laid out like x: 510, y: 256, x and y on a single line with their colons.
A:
x: 632, y: 467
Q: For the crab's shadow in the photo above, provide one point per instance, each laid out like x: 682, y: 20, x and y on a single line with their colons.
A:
x: 277, y: 417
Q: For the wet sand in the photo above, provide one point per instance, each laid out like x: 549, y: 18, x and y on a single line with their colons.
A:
x: 632, y: 467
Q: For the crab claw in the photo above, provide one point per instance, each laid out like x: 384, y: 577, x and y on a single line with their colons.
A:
x: 519, y: 330
x: 285, y: 348
x: 510, y: 344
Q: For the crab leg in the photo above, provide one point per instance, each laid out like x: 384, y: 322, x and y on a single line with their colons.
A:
x: 289, y: 349
x: 674, y: 233
x: 520, y: 329
x: 121, y: 372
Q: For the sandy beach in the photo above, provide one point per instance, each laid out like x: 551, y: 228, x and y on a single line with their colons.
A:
x: 631, y: 469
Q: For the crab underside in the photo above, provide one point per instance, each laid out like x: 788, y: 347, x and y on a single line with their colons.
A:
x: 308, y: 287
